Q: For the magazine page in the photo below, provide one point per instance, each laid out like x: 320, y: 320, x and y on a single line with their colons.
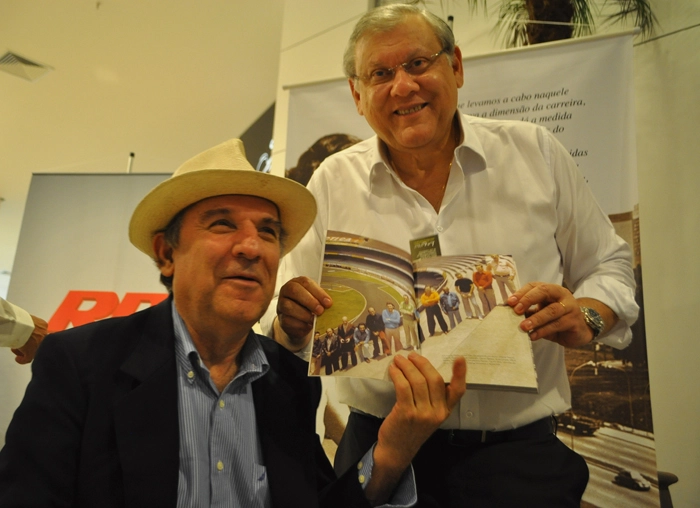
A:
x: 463, y: 312
x: 374, y: 311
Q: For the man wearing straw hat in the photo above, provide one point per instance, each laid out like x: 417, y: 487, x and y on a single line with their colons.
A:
x: 182, y: 404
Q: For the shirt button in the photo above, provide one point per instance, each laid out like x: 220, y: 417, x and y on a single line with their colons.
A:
x: 220, y: 466
x: 361, y: 478
x: 470, y: 414
x: 190, y: 374
x: 359, y: 465
x: 222, y: 404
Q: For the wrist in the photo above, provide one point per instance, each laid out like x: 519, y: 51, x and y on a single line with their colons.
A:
x: 593, y: 320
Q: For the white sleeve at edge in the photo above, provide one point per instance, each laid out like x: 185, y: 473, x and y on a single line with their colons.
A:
x: 16, y: 325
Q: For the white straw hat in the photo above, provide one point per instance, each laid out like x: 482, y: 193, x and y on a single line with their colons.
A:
x: 218, y: 171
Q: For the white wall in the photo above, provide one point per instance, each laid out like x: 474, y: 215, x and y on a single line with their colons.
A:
x: 667, y: 88
x: 165, y: 80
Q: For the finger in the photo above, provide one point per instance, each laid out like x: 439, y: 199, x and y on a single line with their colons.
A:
x: 315, y: 291
x: 20, y: 357
x: 548, y: 331
x: 430, y: 378
x: 527, y: 296
x: 299, y: 297
x: 458, y: 383
x: 419, y: 384
x: 291, y: 311
x: 404, y: 394
x: 543, y: 295
x: 515, y: 297
x: 547, y: 314
x: 568, y: 330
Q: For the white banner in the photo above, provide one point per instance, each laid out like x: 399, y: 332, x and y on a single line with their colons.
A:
x: 74, y: 262
x: 581, y: 90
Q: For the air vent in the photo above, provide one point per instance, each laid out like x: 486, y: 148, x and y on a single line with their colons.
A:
x: 22, y: 67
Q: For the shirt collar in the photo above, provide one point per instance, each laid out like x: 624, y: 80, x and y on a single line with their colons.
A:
x: 253, y: 362
x: 470, y: 144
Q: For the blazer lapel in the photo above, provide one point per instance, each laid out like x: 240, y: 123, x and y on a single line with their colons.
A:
x: 146, y: 416
x: 285, y: 423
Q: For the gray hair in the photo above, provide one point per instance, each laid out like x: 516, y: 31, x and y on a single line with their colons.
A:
x: 386, y: 18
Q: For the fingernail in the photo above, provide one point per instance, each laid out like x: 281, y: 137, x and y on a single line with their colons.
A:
x: 512, y: 299
x: 319, y: 310
x: 519, y: 308
x: 528, y: 325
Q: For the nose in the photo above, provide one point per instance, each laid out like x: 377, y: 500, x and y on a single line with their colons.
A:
x: 403, y: 83
x: 247, y: 242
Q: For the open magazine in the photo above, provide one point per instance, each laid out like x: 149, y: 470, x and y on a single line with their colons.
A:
x: 385, y: 303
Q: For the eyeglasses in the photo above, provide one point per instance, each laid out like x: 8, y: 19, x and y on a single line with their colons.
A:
x: 414, y: 67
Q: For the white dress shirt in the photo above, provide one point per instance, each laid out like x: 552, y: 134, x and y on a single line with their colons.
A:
x: 513, y: 189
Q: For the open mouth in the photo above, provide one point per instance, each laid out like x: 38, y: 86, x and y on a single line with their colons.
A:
x: 408, y: 111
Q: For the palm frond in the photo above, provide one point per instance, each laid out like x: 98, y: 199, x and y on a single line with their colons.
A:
x: 583, y: 19
x: 474, y: 5
x: 512, y: 23
x: 640, y: 12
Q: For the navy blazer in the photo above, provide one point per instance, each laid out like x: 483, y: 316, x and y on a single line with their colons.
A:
x: 98, y: 426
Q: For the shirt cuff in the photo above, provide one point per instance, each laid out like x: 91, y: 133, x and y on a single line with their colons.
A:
x: 16, y: 325
x: 405, y: 494
x: 620, y: 299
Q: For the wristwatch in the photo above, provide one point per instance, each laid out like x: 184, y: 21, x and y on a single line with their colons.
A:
x: 593, y: 320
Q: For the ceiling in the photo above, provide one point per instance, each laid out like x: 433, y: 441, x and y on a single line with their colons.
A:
x: 164, y: 80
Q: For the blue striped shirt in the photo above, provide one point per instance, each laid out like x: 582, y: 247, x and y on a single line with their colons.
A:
x: 221, y: 461
x: 220, y: 457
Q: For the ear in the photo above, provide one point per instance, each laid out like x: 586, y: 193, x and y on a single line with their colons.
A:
x: 458, y: 68
x: 163, y: 254
x: 355, y: 96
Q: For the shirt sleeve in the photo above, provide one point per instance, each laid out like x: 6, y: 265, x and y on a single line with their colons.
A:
x: 16, y: 325
x: 597, y: 263
x: 405, y: 494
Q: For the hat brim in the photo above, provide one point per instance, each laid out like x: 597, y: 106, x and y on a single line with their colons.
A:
x: 296, y: 205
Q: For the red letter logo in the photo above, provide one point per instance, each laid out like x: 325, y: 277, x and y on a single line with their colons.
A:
x: 73, y: 310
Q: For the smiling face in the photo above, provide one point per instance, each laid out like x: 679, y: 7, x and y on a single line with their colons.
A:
x: 410, y: 112
x: 225, y: 263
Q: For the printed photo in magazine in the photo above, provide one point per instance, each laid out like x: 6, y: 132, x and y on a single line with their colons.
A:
x: 439, y: 306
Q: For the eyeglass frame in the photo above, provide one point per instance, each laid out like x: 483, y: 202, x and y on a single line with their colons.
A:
x: 392, y: 70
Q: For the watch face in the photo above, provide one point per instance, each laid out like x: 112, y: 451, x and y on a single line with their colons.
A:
x: 593, y: 320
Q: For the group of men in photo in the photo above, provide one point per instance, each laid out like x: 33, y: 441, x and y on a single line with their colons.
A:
x: 379, y: 336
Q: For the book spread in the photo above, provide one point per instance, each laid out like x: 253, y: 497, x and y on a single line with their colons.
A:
x: 387, y: 301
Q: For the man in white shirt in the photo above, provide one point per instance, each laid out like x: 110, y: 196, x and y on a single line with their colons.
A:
x: 479, y: 186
